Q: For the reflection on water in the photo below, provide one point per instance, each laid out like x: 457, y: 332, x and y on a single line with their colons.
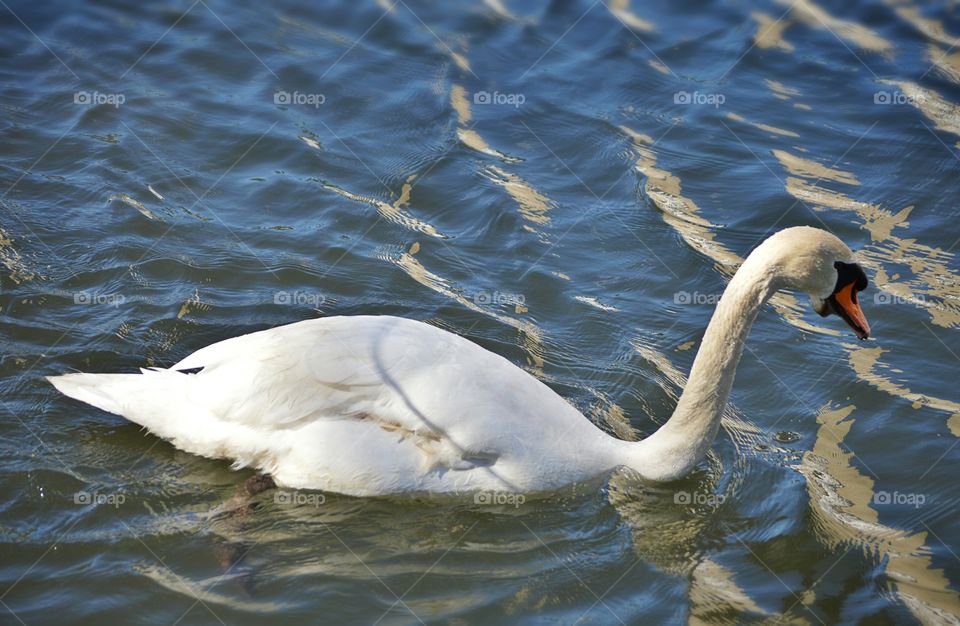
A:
x: 530, y: 333
x: 856, y: 34
x: 947, y: 63
x: 534, y: 206
x: 558, y: 232
x: 769, y: 32
x: 395, y: 212
x: 944, y: 115
x: 10, y: 258
x: 460, y: 101
x: 621, y: 10
x: 929, y: 27
x: 766, y: 127
x: 663, y: 189
x: 842, y: 500
x: 935, y: 286
x: 866, y: 363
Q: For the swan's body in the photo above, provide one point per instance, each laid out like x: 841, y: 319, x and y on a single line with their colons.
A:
x: 380, y: 405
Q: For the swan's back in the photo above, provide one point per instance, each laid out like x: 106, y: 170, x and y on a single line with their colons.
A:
x: 362, y: 405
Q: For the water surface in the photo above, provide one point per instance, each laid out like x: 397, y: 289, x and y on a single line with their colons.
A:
x: 569, y: 184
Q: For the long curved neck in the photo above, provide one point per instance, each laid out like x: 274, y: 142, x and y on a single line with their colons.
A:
x: 683, y: 441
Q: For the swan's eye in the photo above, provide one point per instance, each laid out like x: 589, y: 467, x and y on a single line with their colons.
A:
x: 850, y: 273
x: 844, y: 302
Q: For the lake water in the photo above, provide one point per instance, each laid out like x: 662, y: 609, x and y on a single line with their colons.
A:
x: 569, y: 184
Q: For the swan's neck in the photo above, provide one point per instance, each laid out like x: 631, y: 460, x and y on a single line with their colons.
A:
x: 684, y: 440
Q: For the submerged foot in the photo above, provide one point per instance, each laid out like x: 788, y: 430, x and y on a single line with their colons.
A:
x: 239, y: 507
x: 257, y: 484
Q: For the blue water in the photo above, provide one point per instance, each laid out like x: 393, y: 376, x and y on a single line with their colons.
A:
x: 568, y: 184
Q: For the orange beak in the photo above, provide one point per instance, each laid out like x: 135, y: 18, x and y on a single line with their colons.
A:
x: 844, y: 303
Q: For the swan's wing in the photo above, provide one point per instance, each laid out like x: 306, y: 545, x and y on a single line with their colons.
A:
x: 431, y: 388
x: 320, y: 369
x: 360, y: 405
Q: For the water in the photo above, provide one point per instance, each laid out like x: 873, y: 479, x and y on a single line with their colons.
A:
x: 174, y: 175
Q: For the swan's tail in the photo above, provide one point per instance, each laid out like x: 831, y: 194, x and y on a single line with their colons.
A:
x: 165, y: 402
x: 114, y: 393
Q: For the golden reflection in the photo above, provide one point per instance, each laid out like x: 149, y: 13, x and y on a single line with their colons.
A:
x: 613, y: 415
x: 816, y: 17
x: 461, y: 104
x: 682, y: 214
x: 866, y: 363
x: 841, y: 499
x: 657, y: 65
x: 193, y: 305
x: 935, y: 286
x: 714, y: 594
x: 395, y: 212
x: 931, y: 28
x: 311, y: 140
x: 133, y: 202
x: 764, y: 127
x: 591, y: 301
x: 534, y: 206
x: 811, y: 169
x: 878, y: 221
x: 783, y: 92
x: 17, y: 271
x: 770, y: 32
x: 501, y: 11
x: 531, y: 335
x: 621, y: 10
x: 461, y: 61
x: 945, y: 115
x: 460, y: 101
x: 472, y: 139
x: 946, y: 62
x: 841, y: 507
x: 780, y: 90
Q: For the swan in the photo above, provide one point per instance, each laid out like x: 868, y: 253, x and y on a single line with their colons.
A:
x: 378, y: 405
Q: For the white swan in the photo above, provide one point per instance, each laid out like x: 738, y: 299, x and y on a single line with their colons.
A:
x: 382, y: 405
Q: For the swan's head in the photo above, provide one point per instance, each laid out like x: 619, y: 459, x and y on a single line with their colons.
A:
x: 816, y: 262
